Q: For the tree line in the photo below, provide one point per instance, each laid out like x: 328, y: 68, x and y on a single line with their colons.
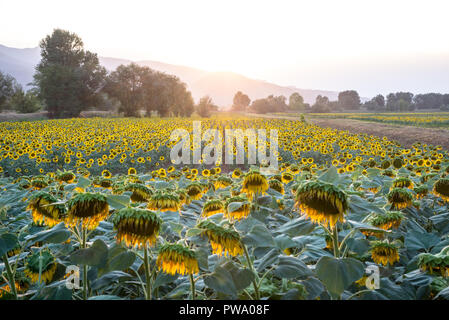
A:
x: 70, y: 79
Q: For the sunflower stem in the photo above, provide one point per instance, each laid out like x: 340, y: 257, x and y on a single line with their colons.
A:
x: 251, y: 266
x: 10, y: 274
x: 146, y: 262
x: 335, y: 241
x: 192, y: 286
x: 84, y: 245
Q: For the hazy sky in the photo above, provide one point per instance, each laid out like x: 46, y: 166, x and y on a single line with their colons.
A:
x: 371, y: 46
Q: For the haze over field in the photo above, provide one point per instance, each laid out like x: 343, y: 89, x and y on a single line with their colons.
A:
x: 376, y: 47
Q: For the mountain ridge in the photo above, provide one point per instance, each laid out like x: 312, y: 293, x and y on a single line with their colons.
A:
x: 221, y: 86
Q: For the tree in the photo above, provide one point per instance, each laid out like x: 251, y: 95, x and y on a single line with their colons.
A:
x: 241, y: 102
x: 376, y: 104
x: 25, y: 102
x: 205, y: 107
x: 296, y: 102
x: 321, y: 105
x: 68, y: 77
x: 393, y: 100
x: 349, y: 99
x: 269, y: 104
x: 8, y: 86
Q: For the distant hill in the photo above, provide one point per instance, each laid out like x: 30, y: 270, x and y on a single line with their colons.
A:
x: 221, y: 86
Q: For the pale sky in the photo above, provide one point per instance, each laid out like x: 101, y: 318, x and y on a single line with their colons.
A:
x: 371, y: 46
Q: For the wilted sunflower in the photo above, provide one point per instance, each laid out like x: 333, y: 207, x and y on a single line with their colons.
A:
x: 212, y: 207
x: 183, y: 197
x: 66, y: 176
x: 434, y: 263
x: 38, y: 184
x: 22, y: 283
x: 103, y: 183
x: 48, y: 263
x: 195, y: 191
x: 176, y: 258
x: 275, y: 184
x: 254, y: 183
x: 239, y: 210
x: 322, y: 202
x: 441, y: 189
x: 223, y: 241
x: 400, y: 198
x: 222, y: 182
x: 391, y: 219
x: 88, y: 209
x: 137, y: 227
x: 44, y: 209
x: 164, y: 201
x: 421, y: 191
x: 140, y: 192
x: 403, y: 182
x: 384, y: 252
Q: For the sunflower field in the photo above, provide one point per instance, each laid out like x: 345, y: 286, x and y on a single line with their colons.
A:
x: 93, y: 209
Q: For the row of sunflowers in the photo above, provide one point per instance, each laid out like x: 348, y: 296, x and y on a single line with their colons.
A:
x: 345, y: 217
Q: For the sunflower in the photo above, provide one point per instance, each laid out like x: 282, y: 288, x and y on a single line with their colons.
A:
x: 400, y: 198
x: 241, y: 208
x: 398, y: 163
x: 441, y: 188
x: 254, y: 183
x: 45, y: 210
x: 22, y: 283
x: 403, y: 182
x: 434, y: 263
x: 88, y: 209
x: 102, y: 182
x: 38, y: 184
x: 176, y: 258
x: 212, y: 207
x: 106, y: 174
x: 421, y: 191
x: 222, y: 182
x: 392, y: 219
x: 237, y: 173
x: 132, y: 171
x: 224, y: 241
x: 384, y: 252
x: 164, y: 201
x: 195, y: 191
x: 140, y: 192
x: 275, y: 184
x: 48, y: 266
x: 183, y: 197
x: 322, y: 202
x: 287, y: 177
x: 137, y: 227
x: 66, y: 176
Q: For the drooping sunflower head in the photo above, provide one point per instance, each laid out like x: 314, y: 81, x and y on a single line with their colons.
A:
x: 434, y: 263
x: 22, y: 284
x: 183, y: 197
x: 44, y: 209
x: 88, y: 209
x: 421, y: 191
x: 398, y: 163
x: 222, y: 182
x: 384, y: 252
x: 102, y: 182
x: 224, y: 241
x: 176, y: 258
x: 441, y: 188
x: 275, y: 184
x: 403, y: 182
x: 322, y: 202
x: 39, y: 184
x: 385, y: 164
x: 237, y: 208
x: 48, y: 263
x: 400, y: 198
x: 65, y: 176
x: 140, y: 192
x: 254, y: 183
x: 137, y: 227
x: 212, y: 207
x: 164, y: 201
x: 195, y: 191
x: 387, y: 221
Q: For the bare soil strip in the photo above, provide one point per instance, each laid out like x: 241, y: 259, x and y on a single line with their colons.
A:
x: 405, y: 135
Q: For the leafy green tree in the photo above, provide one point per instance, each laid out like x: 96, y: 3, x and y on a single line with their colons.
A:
x: 322, y: 105
x: 241, y: 102
x: 376, y: 104
x: 349, y: 99
x: 296, y: 102
x: 8, y: 86
x: 270, y: 104
x: 394, y: 104
x: 25, y: 102
x: 205, y: 107
x: 68, y: 77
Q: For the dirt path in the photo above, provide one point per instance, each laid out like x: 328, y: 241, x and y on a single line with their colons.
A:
x: 405, y: 135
